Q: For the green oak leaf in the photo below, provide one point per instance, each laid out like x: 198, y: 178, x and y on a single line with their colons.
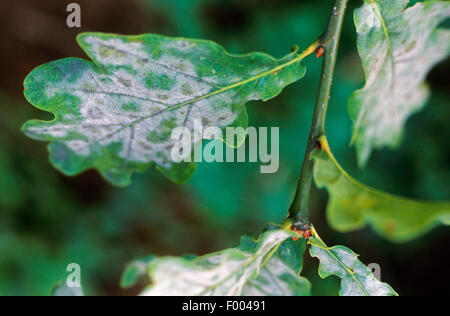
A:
x: 268, y: 266
x: 353, y: 205
x: 116, y: 112
x: 356, y: 278
x: 398, y: 47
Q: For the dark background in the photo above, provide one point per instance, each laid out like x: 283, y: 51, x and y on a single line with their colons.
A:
x: 48, y: 221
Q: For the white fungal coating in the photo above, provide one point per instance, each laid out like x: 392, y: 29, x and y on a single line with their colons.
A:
x: 120, y: 107
x: 397, y: 52
x: 119, y: 110
x: 222, y: 274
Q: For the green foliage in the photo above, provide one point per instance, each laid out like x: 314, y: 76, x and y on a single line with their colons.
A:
x: 353, y: 205
x: 356, y: 278
x: 398, y: 48
x: 268, y: 266
x: 210, y: 212
x: 116, y: 114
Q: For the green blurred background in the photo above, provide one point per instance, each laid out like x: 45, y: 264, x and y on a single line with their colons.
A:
x: 48, y: 221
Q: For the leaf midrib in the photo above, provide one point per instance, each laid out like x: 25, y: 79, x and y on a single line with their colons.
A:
x: 349, y: 271
x: 299, y: 58
x: 390, y: 55
x: 249, y: 262
x: 384, y: 26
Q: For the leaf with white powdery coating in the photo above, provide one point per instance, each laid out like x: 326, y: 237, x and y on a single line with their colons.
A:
x: 280, y: 275
x: 356, y: 278
x: 268, y: 266
x: 398, y: 48
x: 353, y: 205
x: 116, y: 113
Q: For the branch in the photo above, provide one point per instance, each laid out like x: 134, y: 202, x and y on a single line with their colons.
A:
x: 329, y: 43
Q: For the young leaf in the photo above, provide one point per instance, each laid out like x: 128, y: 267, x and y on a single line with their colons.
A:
x: 356, y: 278
x: 268, y: 266
x: 116, y: 112
x: 353, y: 205
x: 398, y: 48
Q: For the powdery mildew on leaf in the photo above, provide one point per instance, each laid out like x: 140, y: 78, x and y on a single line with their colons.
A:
x: 280, y: 275
x: 398, y: 48
x: 356, y: 278
x: 231, y: 272
x: 116, y: 114
x: 353, y: 205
